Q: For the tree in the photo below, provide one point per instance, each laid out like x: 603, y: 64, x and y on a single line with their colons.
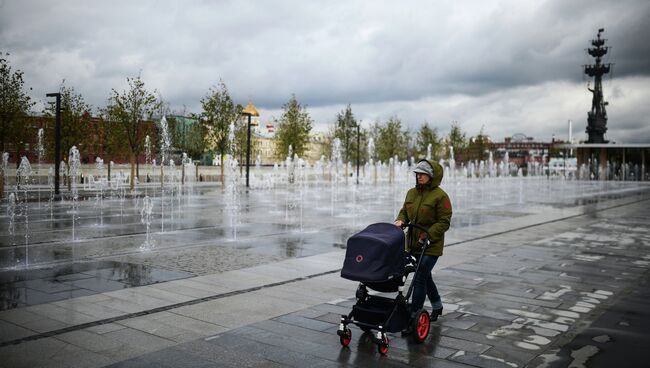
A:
x: 130, y: 110
x: 15, y: 106
x: 194, y: 142
x: 293, y: 129
x: 219, y: 111
x: 425, y: 137
x: 346, y: 131
x: 411, y: 148
x: 75, y: 121
x: 478, y: 145
x: 457, y: 138
x: 390, y: 140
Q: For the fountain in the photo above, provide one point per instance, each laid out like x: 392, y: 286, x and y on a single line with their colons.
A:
x: 147, y: 159
x: 452, y: 162
x: 165, y: 145
x: 145, y: 218
x: 231, y: 192
x: 290, y: 166
x: 73, y: 174
x: 40, y: 152
x: 371, y: 159
x: 336, y: 160
x: 11, y: 214
x: 473, y: 186
x: 22, y: 178
x: 50, y: 184
x: 99, y: 183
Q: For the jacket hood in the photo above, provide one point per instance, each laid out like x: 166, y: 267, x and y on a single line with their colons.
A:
x: 438, y: 173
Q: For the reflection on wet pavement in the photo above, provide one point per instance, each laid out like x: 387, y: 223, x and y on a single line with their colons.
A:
x: 20, y: 288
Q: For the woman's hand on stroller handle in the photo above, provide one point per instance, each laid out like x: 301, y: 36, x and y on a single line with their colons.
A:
x: 409, y: 225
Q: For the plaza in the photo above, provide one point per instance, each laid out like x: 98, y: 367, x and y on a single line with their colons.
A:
x: 537, y: 272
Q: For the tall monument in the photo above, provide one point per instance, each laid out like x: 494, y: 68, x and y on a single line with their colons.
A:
x: 597, y: 117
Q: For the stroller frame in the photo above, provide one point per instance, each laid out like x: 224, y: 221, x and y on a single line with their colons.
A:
x: 369, y: 309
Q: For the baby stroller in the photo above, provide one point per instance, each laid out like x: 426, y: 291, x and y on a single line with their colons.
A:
x: 376, y: 258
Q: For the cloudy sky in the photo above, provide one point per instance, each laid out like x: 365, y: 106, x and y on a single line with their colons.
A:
x: 511, y: 66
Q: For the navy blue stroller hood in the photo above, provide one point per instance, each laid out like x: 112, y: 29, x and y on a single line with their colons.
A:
x: 375, y: 254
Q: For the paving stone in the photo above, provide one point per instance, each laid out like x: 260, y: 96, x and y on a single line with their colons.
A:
x: 104, y: 328
x: 223, y: 356
x: 96, y: 310
x: 309, y: 323
x: 10, y: 331
x: 49, y: 286
x: 191, y: 324
x: 464, y: 345
x: 176, y: 358
x: 134, y: 363
x: 30, y: 353
x: 89, y: 340
x: 139, y: 339
x: 456, y: 323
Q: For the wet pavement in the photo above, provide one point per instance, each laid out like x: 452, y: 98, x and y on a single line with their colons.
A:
x: 21, y: 288
x: 536, y: 283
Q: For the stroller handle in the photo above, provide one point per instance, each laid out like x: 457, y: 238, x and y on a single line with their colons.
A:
x: 426, y: 231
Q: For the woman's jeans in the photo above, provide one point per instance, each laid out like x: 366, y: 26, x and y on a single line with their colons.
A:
x: 424, y: 285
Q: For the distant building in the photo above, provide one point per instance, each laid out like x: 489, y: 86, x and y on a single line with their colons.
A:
x: 316, y: 147
x: 265, y: 148
x: 521, y: 149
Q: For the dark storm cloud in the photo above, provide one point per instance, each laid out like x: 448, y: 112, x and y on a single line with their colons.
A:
x: 384, y: 58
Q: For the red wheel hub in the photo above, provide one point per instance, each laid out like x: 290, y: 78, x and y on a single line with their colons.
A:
x: 423, y: 325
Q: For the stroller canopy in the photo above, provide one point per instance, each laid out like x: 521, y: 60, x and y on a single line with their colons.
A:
x: 376, y: 254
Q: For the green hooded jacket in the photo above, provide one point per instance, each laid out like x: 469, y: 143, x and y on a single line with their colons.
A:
x: 428, y: 206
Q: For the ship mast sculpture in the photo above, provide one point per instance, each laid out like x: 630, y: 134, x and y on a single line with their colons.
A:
x: 597, y: 117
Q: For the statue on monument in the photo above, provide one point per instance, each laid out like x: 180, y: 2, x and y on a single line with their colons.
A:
x: 597, y: 117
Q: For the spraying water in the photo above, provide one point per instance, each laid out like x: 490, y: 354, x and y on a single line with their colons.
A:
x: 145, y: 218
x: 290, y: 166
x: 147, y: 158
x: 73, y: 172
x: 40, y: 151
x: 50, y: 184
x: 232, y: 181
x: 165, y: 145
x: 336, y: 159
x: 371, y: 159
x: 99, y: 166
x: 5, y: 164
x: 22, y: 177
x: 11, y: 214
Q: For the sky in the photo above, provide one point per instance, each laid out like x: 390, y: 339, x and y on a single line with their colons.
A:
x: 506, y: 67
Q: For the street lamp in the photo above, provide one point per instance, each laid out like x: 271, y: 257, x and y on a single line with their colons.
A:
x: 249, y: 111
x: 358, y: 148
x: 57, y: 140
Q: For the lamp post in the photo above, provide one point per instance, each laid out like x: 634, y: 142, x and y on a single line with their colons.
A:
x: 358, y: 148
x: 249, y: 111
x: 57, y: 140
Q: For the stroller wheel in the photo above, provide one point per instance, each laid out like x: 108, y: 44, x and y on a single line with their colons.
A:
x: 345, y: 337
x: 421, y: 325
x: 382, y: 347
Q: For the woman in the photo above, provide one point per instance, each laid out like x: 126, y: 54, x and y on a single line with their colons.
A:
x: 426, y: 205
